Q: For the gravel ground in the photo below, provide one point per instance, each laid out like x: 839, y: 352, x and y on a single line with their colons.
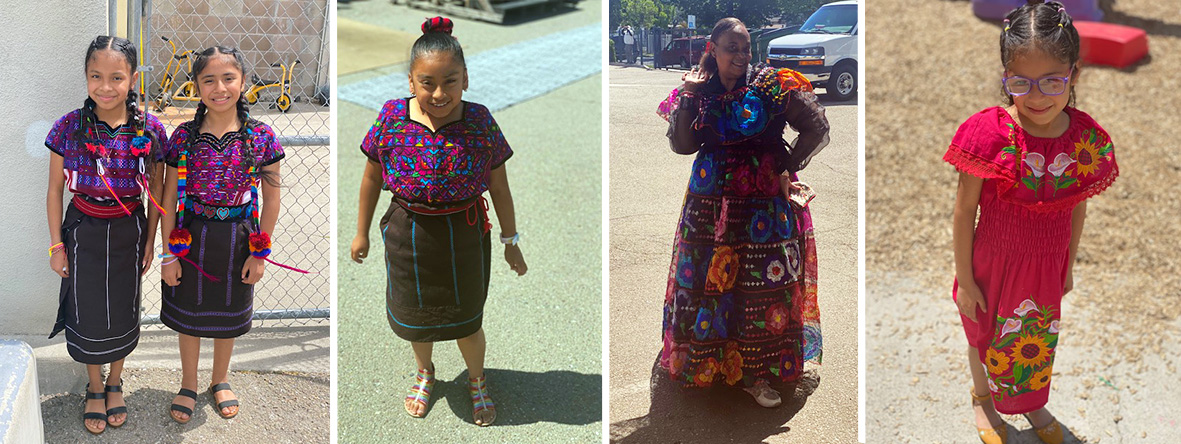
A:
x: 276, y: 408
x: 1123, y: 313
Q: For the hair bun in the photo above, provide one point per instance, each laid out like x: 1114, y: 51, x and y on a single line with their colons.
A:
x: 437, y: 24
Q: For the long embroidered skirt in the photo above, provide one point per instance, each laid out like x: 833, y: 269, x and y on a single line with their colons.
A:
x: 200, y: 306
x: 741, y: 298
x: 437, y: 270
x: 99, y: 303
x: 1019, y: 259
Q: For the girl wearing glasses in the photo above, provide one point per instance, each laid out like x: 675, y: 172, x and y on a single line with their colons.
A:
x: 740, y: 305
x: 1029, y: 167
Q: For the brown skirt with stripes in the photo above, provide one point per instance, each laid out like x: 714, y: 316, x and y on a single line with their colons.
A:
x: 200, y: 306
x: 437, y: 273
x: 99, y: 303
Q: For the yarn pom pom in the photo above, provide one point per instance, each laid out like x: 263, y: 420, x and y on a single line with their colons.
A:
x: 437, y: 24
x: 140, y: 145
x: 260, y: 244
x: 179, y: 241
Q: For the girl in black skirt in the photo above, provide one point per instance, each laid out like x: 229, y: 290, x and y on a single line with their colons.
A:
x: 437, y: 155
x: 217, y: 240
x: 105, y: 153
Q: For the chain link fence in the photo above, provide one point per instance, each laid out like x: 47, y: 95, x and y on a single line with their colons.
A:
x: 286, y: 44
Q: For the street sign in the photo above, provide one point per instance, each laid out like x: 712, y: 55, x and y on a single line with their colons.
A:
x: 692, y: 21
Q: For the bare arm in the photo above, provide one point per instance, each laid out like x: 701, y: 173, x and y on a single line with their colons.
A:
x: 963, y: 234
x: 1077, y: 217
x: 367, y: 206
x: 502, y: 199
x: 155, y: 187
x: 53, y: 211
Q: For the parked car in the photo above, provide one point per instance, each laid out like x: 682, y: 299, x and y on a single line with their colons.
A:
x: 684, y: 51
x: 761, y: 38
x: 824, y: 50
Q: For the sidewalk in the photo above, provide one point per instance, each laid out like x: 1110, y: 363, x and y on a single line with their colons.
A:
x: 279, y: 374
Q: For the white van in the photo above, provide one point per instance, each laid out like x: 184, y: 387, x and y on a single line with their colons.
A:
x: 824, y: 50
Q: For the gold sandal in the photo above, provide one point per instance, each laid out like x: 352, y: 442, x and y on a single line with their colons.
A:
x: 994, y: 435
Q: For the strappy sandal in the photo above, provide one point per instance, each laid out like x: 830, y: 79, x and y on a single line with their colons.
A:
x: 93, y: 415
x: 222, y: 405
x: 420, y: 392
x: 994, y: 435
x: 481, y: 400
x: 182, y: 409
x: 1050, y: 433
x: 764, y: 394
x: 116, y: 410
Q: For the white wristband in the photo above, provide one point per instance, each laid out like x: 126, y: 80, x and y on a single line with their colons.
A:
x: 512, y: 240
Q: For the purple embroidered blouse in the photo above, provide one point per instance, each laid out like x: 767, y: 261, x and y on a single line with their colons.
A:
x: 78, y: 163
x: 216, y: 174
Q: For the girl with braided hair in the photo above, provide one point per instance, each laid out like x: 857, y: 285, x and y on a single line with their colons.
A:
x: 217, y: 240
x: 437, y: 155
x: 1029, y: 167
x: 107, y: 154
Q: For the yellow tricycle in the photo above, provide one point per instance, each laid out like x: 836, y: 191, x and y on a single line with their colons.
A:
x: 258, y: 84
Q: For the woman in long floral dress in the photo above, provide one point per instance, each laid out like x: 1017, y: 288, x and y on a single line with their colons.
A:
x: 740, y: 307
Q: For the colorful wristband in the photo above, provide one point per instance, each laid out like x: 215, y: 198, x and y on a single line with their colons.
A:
x: 55, y: 247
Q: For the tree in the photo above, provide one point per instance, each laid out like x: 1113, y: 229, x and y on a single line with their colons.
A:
x: 754, y: 13
x: 638, y: 13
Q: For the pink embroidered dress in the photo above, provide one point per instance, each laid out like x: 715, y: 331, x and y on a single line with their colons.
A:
x: 1020, y: 252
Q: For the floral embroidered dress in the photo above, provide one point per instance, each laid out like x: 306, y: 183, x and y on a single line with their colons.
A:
x: 740, y: 304
x: 1022, y: 240
x: 217, y: 211
x: 437, y: 247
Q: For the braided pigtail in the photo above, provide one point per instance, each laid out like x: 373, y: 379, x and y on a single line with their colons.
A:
x: 1042, y: 26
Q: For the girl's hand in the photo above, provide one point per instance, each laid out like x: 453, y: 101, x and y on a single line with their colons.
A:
x: 149, y: 255
x: 694, y: 79
x: 512, y: 255
x: 969, y: 298
x: 360, y: 249
x: 1069, y: 282
x: 170, y: 271
x: 59, y: 263
x: 253, y: 270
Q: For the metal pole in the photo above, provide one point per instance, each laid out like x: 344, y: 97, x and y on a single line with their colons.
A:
x: 302, y: 140
x: 112, y: 16
x: 265, y: 315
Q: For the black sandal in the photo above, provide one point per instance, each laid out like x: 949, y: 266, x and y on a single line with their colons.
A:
x: 116, y: 410
x: 93, y: 415
x: 221, y: 405
x: 182, y: 409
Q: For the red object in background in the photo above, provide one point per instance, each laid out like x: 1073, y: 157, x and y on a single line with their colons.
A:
x: 1110, y: 44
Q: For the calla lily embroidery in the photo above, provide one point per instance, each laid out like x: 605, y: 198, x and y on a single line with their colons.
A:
x: 1011, y: 326
x: 1056, y: 169
x: 1037, y: 167
x: 1025, y: 307
x: 1054, y: 327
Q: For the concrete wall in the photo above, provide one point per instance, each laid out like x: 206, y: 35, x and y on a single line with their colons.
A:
x: 41, y: 60
x: 268, y: 31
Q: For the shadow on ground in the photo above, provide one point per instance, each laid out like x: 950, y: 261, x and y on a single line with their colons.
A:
x: 561, y: 397
x: 686, y: 415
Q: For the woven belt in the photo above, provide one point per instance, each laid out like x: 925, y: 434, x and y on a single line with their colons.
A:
x: 472, y: 210
x: 104, y: 209
x: 214, y: 212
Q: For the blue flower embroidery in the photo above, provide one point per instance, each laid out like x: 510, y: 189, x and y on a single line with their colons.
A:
x: 760, y: 227
x: 702, y: 181
x: 747, y: 116
x: 703, y: 328
x: 685, y: 269
x: 784, y: 218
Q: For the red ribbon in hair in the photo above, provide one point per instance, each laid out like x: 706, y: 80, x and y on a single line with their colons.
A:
x: 437, y: 24
x: 709, y: 46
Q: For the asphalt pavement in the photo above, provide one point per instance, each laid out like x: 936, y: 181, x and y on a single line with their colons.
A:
x: 544, y: 358
x: 647, y: 186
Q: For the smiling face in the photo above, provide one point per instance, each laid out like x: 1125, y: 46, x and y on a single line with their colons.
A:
x: 1036, y: 107
x: 220, y: 84
x: 732, y: 52
x: 109, y: 79
x: 437, y: 81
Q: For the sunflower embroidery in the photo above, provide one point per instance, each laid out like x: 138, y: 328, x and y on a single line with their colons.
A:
x: 1030, y: 351
x: 997, y: 362
x: 1089, y: 153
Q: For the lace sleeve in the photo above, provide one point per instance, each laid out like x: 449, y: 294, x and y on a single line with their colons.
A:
x: 805, y: 114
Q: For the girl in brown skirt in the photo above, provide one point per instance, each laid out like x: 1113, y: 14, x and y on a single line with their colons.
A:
x: 437, y: 155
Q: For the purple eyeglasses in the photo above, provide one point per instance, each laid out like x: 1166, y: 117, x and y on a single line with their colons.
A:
x: 1049, y: 85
